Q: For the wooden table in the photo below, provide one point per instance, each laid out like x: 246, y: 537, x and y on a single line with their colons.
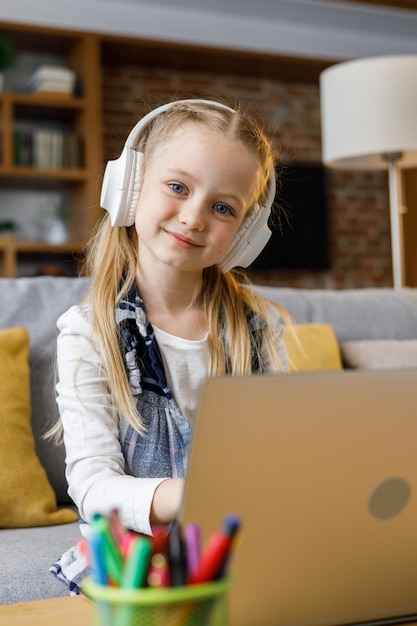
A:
x: 68, y: 611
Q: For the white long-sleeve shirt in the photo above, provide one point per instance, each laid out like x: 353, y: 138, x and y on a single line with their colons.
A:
x: 94, y: 460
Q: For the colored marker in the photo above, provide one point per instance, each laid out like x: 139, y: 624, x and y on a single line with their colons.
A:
x: 214, y: 556
x: 117, y: 528
x: 159, y: 539
x: 137, y: 563
x: 96, y: 559
x: 192, y: 541
x: 231, y: 526
x: 126, y: 543
x: 82, y: 545
x: 176, y: 556
x: 111, y: 554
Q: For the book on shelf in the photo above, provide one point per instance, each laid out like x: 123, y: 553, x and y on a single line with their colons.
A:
x: 23, y: 148
x: 47, y: 149
x: 52, y: 78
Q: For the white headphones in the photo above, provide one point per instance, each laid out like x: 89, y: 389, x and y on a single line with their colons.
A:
x: 122, y: 183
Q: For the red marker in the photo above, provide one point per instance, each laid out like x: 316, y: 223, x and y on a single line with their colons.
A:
x: 116, y: 526
x: 160, y: 537
x: 212, y: 558
x: 215, y: 557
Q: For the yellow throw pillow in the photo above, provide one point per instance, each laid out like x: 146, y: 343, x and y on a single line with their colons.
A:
x: 312, y: 347
x: 26, y: 496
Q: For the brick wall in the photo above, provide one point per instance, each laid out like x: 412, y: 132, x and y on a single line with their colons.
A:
x: 358, y: 216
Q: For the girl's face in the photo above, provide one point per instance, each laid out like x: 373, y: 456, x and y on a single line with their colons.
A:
x: 197, y: 188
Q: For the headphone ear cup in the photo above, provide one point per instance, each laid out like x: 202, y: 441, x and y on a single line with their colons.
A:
x: 121, y: 187
x: 249, y: 241
x: 253, y: 234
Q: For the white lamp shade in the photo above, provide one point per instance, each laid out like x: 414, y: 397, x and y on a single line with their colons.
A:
x: 368, y: 109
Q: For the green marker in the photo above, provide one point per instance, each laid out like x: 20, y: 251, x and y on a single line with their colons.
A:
x: 137, y: 563
x: 112, y: 556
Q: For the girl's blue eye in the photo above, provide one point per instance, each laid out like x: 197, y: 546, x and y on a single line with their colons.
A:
x: 177, y: 188
x: 223, y: 209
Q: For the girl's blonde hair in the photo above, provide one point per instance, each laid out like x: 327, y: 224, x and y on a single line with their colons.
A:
x: 226, y: 297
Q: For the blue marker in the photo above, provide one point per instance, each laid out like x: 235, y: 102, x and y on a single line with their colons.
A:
x: 111, y: 554
x: 96, y: 553
x: 231, y: 527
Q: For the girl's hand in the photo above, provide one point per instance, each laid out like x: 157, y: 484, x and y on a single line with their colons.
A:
x: 166, y: 501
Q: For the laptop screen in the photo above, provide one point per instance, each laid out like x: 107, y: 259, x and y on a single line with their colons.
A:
x: 322, y: 469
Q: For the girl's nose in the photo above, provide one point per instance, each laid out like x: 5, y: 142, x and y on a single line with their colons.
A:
x: 192, y: 215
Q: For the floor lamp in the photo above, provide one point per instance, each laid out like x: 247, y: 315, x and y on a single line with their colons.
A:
x: 369, y: 121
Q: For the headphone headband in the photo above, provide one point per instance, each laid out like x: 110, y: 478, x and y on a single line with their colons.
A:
x: 122, y: 183
x: 134, y: 135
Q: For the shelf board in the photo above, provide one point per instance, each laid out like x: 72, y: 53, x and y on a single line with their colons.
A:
x: 46, y: 99
x: 24, y: 245
x: 37, y: 174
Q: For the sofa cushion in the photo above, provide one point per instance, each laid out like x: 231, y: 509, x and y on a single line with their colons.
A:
x: 380, y: 354
x: 354, y: 314
x: 35, y: 303
x: 27, y: 498
x: 26, y: 556
x: 312, y: 347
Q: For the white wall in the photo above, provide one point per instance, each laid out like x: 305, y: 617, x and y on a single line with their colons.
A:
x: 310, y: 28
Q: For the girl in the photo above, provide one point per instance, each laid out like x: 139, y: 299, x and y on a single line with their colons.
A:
x: 188, y: 200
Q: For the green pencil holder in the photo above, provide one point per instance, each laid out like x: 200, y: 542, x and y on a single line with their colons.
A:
x: 192, y: 605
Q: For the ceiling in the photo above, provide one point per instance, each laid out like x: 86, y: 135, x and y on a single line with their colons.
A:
x: 268, y: 9
x: 287, y: 39
x: 306, y: 30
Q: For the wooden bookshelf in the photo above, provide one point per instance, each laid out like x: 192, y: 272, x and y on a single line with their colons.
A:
x: 69, y: 125
x: 13, y: 250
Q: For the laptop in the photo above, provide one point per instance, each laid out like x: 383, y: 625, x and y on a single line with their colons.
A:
x: 322, y: 470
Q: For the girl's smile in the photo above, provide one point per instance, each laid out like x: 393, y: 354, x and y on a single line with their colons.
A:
x: 182, y: 241
x: 197, y: 187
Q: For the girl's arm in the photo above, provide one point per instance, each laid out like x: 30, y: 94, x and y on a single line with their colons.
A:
x: 167, y: 501
x: 94, y: 461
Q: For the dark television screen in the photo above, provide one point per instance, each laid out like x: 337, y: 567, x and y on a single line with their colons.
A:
x: 299, y: 227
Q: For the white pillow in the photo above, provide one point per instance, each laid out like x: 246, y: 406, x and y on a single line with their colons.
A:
x: 380, y: 353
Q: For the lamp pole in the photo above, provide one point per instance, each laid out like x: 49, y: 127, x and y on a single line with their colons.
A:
x: 396, y: 210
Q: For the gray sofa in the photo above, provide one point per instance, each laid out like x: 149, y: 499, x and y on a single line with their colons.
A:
x: 382, y: 316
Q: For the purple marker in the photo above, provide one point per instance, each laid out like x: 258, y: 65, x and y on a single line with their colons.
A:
x: 192, y: 540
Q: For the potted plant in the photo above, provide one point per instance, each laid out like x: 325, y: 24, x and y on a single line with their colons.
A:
x: 7, y: 56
